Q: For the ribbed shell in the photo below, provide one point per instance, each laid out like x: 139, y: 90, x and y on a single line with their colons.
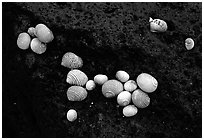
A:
x: 140, y: 98
x: 76, y: 77
x: 23, y: 41
x: 189, y: 43
x: 122, y: 76
x: 112, y: 88
x: 76, y: 93
x: 71, y: 115
x: 37, y: 46
x: 157, y: 25
x: 147, y: 82
x: 124, y: 98
x: 71, y: 60
x: 130, y: 85
x: 90, y: 85
x: 130, y: 110
x: 100, y: 79
x: 43, y: 33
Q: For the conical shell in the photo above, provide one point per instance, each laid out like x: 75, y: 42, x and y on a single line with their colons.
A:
x: 130, y: 85
x: 23, y: 41
x: 147, y: 82
x: 140, y: 98
x: 130, y: 111
x: 71, y: 60
x: 100, y: 79
x: 76, y: 93
x: 157, y: 25
x: 90, y: 85
x: 71, y: 115
x: 43, y: 33
x: 76, y: 77
x: 37, y: 46
x: 189, y: 43
x: 122, y: 76
x: 124, y: 98
x: 112, y: 88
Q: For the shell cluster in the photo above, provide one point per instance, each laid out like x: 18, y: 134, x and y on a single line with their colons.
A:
x: 157, y: 25
x: 71, y: 60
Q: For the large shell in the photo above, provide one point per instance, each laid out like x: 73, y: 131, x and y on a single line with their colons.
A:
x: 130, y: 110
x: 71, y: 60
x: 124, y: 98
x: 90, y: 85
x: 112, y: 88
x: 76, y: 93
x: 157, y: 25
x: 76, y: 77
x: 71, y: 115
x: 130, y: 85
x: 189, y: 43
x: 147, y: 82
x: 122, y: 76
x: 23, y: 41
x: 31, y: 31
x: 37, y: 46
x: 100, y: 79
x: 140, y: 98
x: 43, y: 33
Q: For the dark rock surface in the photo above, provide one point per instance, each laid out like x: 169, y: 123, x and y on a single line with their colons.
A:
x: 108, y: 37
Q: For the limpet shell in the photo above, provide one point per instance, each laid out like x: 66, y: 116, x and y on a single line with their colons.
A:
x: 130, y: 85
x: 112, y: 88
x: 90, y: 85
x: 157, y: 25
x: 140, y: 98
x: 130, y: 110
x: 71, y: 115
x: 76, y: 77
x: 147, y: 82
x: 76, y: 93
x: 100, y: 79
x: 124, y: 98
x: 122, y: 76
x: 23, y: 41
x: 71, y: 60
x: 189, y: 43
x: 43, y: 33
x: 31, y: 31
x: 37, y: 46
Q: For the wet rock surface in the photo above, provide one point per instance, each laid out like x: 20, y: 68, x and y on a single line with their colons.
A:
x: 108, y: 37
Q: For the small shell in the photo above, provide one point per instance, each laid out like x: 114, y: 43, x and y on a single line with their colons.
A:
x: 157, y: 25
x: 23, y: 41
x: 124, y: 98
x: 76, y: 77
x: 100, y: 79
x: 71, y: 60
x: 71, y: 115
x: 140, y: 98
x: 112, y: 88
x: 43, y: 33
x: 147, y: 82
x: 130, y: 85
x: 76, y: 93
x: 189, y: 43
x: 37, y: 46
x: 122, y: 76
x: 130, y: 111
x: 90, y: 85
x: 31, y: 31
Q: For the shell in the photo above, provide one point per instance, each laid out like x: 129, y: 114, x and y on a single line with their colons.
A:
x: 71, y: 60
x: 76, y: 93
x: 157, y: 25
x: 90, y: 85
x: 43, y: 33
x: 112, y: 88
x: 130, y: 85
x: 100, y: 79
x: 31, y: 31
x: 140, y: 98
x: 71, y: 115
x: 124, y: 98
x: 23, y: 41
x: 147, y: 82
x: 37, y: 46
x: 189, y: 43
x: 130, y: 110
x: 122, y: 76
x: 76, y: 77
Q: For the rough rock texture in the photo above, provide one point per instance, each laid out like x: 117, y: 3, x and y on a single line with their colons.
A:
x: 108, y: 37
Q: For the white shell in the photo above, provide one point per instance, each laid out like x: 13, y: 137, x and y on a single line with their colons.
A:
x: 43, y: 33
x: 76, y: 77
x: 130, y: 110
x: 140, y: 98
x: 124, y: 98
x: 130, y: 85
x: 37, y: 46
x: 76, y: 93
x: 23, y: 41
x: 157, y: 25
x: 189, y: 43
x: 112, y: 88
x: 122, y: 76
x: 71, y: 60
x: 71, y: 115
x: 31, y: 31
x: 100, y: 79
x: 90, y: 85
x: 147, y: 82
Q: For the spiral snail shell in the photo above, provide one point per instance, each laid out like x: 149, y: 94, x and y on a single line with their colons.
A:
x: 71, y: 115
x: 157, y: 25
x: 43, y: 33
x: 189, y: 43
x: 124, y: 98
x: 37, y: 46
x: 76, y: 93
x: 140, y: 98
x: 76, y: 77
x: 122, y: 76
x: 71, y: 60
x: 130, y: 85
x: 90, y: 85
x: 23, y: 41
x: 130, y: 110
x: 100, y: 79
x: 112, y: 88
